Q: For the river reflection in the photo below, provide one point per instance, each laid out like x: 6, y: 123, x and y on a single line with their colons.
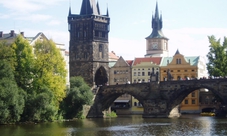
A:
x: 187, y: 125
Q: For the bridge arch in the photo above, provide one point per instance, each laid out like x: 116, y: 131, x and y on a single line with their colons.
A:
x: 157, y: 98
x: 184, y: 90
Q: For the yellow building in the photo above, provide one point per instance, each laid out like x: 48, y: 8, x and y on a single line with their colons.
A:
x: 184, y: 68
x: 141, y: 70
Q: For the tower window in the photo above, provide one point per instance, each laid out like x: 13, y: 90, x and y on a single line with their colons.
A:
x: 96, y: 33
x: 103, y: 34
x: 101, y: 54
x: 85, y: 34
x: 78, y: 34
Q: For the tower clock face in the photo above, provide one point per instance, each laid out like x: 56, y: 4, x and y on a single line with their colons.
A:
x: 154, y: 45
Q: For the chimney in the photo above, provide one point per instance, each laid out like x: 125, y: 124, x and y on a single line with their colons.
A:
x: 1, y: 34
x: 11, y: 33
x: 22, y: 34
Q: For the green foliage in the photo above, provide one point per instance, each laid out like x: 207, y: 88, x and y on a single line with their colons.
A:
x: 48, y: 83
x: 112, y: 114
x: 49, y: 69
x: 217, y: 57
x: 11, y: 97
x: 78, y: 95
x: 23, y: 64
x: 33, y: 81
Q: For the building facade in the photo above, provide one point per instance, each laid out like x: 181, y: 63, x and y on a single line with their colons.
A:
x: 142, y: 68
x: 120, y: 73
x: 89, y: 45
x: 184, y: 68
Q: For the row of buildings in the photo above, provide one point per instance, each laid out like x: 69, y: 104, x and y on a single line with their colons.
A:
x: 140, y: 70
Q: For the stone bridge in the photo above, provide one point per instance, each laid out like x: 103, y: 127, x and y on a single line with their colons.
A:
x: 158, y: 98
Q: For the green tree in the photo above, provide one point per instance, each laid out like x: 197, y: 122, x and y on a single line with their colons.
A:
x: 48, y: 83
x: 78, y: 94
x: 50, y: 68
x: 11, y: 97
x: 23, y: 62
x: 217, y: 57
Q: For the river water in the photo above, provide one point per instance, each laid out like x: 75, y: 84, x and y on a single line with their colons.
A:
x: 186, y: 125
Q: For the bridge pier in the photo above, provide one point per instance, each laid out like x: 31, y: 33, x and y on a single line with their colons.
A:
x: 95, y: 112
x: 155, y: 109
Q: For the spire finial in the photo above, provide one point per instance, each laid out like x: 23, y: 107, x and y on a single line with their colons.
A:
x: 107, y: 11
x: 69, y: 7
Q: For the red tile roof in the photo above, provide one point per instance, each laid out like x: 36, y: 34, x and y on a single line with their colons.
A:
x: 129, y: 62
x: 112, y: 55
x: 156, y: 60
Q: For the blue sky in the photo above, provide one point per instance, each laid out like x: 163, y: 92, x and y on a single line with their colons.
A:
x: 186, y: 23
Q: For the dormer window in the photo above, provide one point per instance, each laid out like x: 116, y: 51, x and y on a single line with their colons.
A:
x: 178, y: 61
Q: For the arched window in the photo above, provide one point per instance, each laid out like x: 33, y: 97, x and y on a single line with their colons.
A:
x: 101, y: 55
x: 135, y: 103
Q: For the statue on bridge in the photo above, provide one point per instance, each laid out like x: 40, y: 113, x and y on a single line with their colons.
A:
x: 169, y: 76
x: 154, y: 77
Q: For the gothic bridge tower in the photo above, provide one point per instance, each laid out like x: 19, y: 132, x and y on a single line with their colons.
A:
x: 156, y: 42
x: 89, y: 45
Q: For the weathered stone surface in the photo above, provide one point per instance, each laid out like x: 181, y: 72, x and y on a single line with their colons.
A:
x: 158, y: 98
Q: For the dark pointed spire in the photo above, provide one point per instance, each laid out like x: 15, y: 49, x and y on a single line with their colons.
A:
x: 88, y: 8
x: 69, y: 11
x: 177, y: 52
x: 107, y: 12
x: 156, y: 11
x: 156, y: 25
x: 97, y: 5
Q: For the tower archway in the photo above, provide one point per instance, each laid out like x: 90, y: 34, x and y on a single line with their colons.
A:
x: 101, y: 76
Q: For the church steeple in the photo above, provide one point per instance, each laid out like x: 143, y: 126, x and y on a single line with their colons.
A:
x: 156, y: 12
x: 156, y: 42
x: 156, y: 25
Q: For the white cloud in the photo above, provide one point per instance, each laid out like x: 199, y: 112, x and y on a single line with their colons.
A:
x: 21, y: 6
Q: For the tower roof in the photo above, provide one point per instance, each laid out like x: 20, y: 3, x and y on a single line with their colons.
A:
x: 156, y: 25
x: 177, y: 52
x: 89, y: 7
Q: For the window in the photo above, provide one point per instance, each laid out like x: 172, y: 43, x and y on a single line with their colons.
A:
x: 135, y: 104
x: 185, y: 101
x: 85, y: 34
x: 193, y: 94
x: 149, y: 73
x: 193, y: 101
x: 101, y: 54
x: 134, y: 73
x: 138, y: 73
x: 96, y: 33
x: 178, y: 61
x: 143, y: 74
